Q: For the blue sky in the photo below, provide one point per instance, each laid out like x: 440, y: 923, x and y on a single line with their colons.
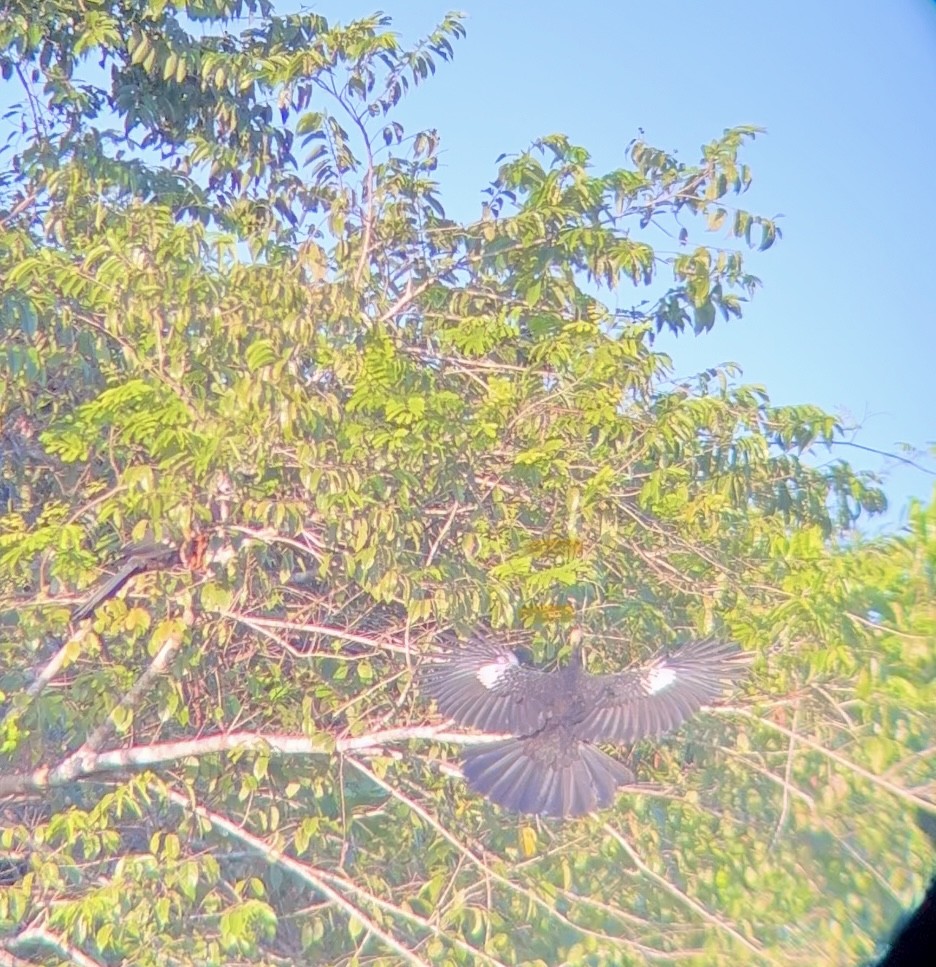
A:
x: 847, y: 315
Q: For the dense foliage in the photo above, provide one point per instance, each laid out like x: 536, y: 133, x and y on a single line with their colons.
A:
x: 234, y: 313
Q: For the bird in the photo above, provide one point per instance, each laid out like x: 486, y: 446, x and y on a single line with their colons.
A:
x: 550, y: 765
x: 144, y: 556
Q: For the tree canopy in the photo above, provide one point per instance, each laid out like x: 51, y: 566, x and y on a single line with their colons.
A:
x: 237, y: 320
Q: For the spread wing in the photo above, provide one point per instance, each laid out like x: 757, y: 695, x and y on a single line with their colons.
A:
x: 483, y: 685
x: 658, y: 696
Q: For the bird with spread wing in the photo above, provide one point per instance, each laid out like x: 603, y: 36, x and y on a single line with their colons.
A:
x: 550, y: 766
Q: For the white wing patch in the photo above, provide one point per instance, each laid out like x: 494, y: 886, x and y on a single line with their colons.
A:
x: 660, y: 678
x: 492, y: 673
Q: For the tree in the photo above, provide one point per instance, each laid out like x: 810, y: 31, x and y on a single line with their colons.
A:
x: 239, y: 326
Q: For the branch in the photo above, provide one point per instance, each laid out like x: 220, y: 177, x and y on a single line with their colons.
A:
x: 901, y: 793
x: 367, y: 193
x: 881, y: 628
x: 259, y: 623
x: 445, y: 529
x: 486, y: 871
x: 353, y: 887
x: 694, y: 905
x: 67, y: 951
x: 8, y: 959
x: 55, y: 664
x: 87, y: 762
x: 883, y: 453
x: 307, y: 874
x: 18, y: 208
x: 132, y: 697
x: 409, y: 295
x: 787, y: 778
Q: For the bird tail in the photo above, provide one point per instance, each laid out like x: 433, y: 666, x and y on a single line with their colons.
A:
x: 546, y: 775
x: 145, y: 556
x: 105, y: 591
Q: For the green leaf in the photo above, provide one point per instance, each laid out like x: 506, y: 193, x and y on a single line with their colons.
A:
x: 258, y: 354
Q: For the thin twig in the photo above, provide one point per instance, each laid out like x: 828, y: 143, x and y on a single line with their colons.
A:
x: 883, y: 453
x: 787, y: 777
x: 475, y: 861
x: 445, y: 529
x: 325, y: 630
x: 694, y: 905
x: 924, y: 804
x: 305, y: 873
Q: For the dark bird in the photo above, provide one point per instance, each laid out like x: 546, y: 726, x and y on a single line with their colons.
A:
x: 136, y: 558
x: 551, y: 766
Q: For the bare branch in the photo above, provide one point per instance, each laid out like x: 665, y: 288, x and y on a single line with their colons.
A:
x: 530, y: 896
x: 132, y: 698
x: 45, y: 938
x: 306, y: 873
x: 87, y: 763
x: 257, y: 623
x: 693, y: 905
x: 925, y: 804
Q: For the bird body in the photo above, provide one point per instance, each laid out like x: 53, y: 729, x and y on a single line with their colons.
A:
x: 134, y: 559
x: 549, y: 765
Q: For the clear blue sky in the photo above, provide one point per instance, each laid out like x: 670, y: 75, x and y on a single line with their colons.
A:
x: 847, y: 315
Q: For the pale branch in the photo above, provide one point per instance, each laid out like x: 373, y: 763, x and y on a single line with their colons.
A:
x: 875, y: 626
x: 788, y: 788
x: 87, y: 763
x: 360, y: 698
x: 925, y: 804
x: 837, y: 707
x: 787, y: 778
x: 671, y: 536
x: 269, y: 535
x: 466, y: 362
x: 307, y: 874
x: 924, y: 756
x: 25, y: 202
x: 678, y: 894
x: 257, y: 623
x: 367, y: 218
x: 668, y: 573
x: 133, y: 695
x: 280, y: 641
x: 411, y: 293
x: 872, y: 871
x: 52, y: 667
x: 883, y: 628
x: 414, y: 918
x: 11, y: 960
x: 40, y: 936
x: 529, y: 895
x: 433, y: 550
x: 639, y: 923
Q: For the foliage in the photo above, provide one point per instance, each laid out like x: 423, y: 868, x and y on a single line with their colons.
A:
x: 232, y: 305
